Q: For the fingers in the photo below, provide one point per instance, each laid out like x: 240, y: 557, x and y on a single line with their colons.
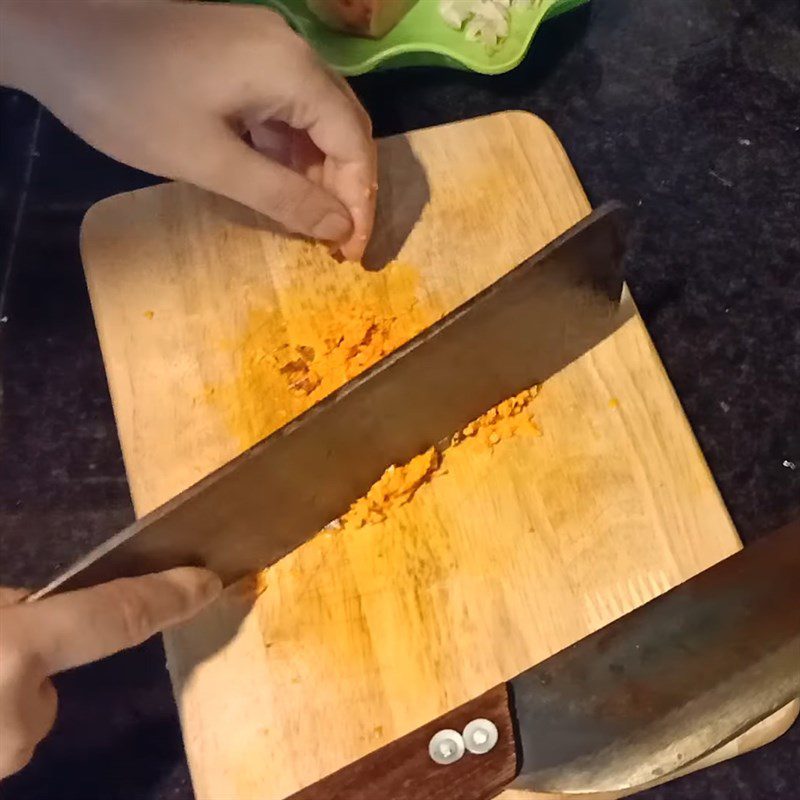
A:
x: 342, y: 130
x: 290, y: 147
x: 324, y: 105
x: 245, y: 175
x: 307, y: 158
x: 359, y: 192
x: 27, y: 715
x: 332, y: 143
x: 83, y: 626
x: 273, y: 140
x: 28, y: 706
x: 40, y: 638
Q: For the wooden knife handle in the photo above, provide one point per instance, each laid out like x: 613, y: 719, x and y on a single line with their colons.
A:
x: 404, y: 769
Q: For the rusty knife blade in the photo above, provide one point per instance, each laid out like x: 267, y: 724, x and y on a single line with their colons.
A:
x: 670, y: 682
x: 522, y: 329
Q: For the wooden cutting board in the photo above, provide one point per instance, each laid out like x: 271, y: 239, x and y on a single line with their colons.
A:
x: 509, y: 555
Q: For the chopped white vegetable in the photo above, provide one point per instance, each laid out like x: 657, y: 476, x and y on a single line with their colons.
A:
x: 484, y: 21
x: 489, y: 24
x: 456, y: 12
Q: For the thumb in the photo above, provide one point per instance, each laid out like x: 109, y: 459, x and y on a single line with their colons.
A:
x: 243, y: 174
x: 86, y: 625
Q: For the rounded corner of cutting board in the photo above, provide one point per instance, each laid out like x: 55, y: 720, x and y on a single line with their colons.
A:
x: 109, y: 205
x: 525, y: 117
x: 95, y: 213
x: 519, y: 117
x: 99, y: 214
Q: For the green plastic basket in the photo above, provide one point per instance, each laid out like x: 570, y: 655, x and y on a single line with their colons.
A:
x: 420, y: 39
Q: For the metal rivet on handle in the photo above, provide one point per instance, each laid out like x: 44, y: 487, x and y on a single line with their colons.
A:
x: 480, y: 736
x: 446, y: 746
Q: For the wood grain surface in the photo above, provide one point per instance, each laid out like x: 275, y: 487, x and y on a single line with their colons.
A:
x: 506, y: 556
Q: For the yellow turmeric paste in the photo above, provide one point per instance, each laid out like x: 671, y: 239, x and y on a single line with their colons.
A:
x: 360, y: 339
x: 505, y: 420
x: 310, y: 341
x: 399, y: 483
x: 395, y: 487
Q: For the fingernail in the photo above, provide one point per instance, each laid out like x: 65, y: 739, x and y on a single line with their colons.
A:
x: 332, y: 228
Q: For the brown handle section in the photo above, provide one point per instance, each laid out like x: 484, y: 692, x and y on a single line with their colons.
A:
x: 404, y: 770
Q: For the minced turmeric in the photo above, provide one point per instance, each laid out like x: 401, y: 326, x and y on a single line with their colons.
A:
x: 506, y: 419
x: 310, y: 341
x: 399, y: 483
x: 396, y: 486
x: 361, y: 338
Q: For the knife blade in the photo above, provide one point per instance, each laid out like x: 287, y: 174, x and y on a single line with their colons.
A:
x: 642, y: 698
x: 529, y: 324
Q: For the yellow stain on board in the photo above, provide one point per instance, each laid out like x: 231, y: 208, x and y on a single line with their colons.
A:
x: 309, y: 343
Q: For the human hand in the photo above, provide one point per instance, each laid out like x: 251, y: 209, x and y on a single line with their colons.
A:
x: 176, y: 88
x: 41, y: 638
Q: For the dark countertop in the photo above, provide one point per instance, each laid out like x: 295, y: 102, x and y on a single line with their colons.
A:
x: 687, y: 111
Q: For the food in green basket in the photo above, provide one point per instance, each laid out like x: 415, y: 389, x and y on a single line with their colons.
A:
x: 371, y: 18
x: 484, y: 21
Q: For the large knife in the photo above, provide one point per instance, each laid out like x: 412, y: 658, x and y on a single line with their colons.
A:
x: 247, y: 515
x: 633, y: 703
